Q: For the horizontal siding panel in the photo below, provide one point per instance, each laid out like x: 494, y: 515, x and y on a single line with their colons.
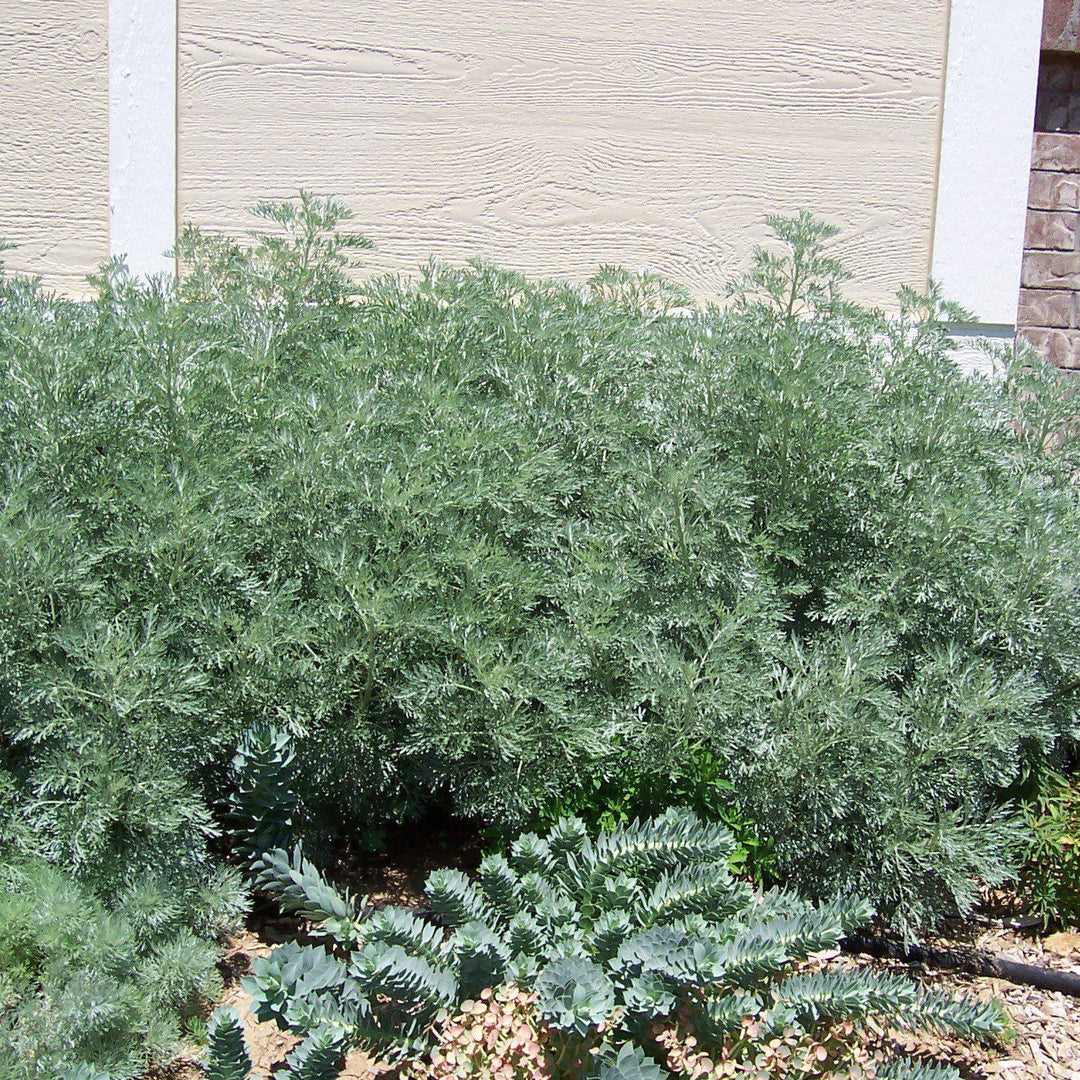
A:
x: 54, y: 144
x: 556, y: 137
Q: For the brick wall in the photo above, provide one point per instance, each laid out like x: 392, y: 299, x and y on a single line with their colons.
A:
x: 1061, y: 25
x: 1049, y: 312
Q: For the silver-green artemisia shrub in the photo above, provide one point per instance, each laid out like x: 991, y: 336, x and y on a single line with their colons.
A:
x: 612, y: 933
x: 107, y: 986
x: 490, y: 540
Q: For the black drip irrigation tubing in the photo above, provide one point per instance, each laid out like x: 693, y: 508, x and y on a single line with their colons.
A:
x: 970, y: 961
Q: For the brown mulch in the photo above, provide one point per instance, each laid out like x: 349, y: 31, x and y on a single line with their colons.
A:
x: 1045, y: 1042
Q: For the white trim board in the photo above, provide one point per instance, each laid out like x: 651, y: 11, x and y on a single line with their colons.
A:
x: 989, y: 116
x: 142, y: 133
x: 977, y: 347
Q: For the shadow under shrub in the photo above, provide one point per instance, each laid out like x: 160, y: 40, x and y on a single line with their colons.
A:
x: 479, y: 539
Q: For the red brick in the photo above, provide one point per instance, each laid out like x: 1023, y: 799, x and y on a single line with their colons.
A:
x: 1056, y: 151
x: 1060, y: 347
x: 1053, y: 191
x: 1050, y: 270
x: 1061, y: 23
x: 1050, y: 230
x: 1045, y: 307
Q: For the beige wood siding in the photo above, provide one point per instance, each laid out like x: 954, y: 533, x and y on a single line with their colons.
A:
x: 54, y: 150
x: 556, y: 136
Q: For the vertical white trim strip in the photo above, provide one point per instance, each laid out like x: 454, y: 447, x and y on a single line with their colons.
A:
x: 989, y: 114
x: 142, y: 132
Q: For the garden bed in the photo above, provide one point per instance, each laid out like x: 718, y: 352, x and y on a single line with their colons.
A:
x: 1046, y: 1025
x: 1046, y: 1045
x: 773, y: 580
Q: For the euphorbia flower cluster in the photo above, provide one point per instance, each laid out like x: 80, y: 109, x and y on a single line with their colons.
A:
x: 496, y: 1037
x: 763, y: 1055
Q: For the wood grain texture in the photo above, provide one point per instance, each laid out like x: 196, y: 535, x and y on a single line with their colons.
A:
x: 54, y: 157
x: 554, y: 137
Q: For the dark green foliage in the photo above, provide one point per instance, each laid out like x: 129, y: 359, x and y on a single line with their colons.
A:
x: 226, y: 1053
x: 622, y: 792
x: 494, y: 542
x: 613, y: 932
x: 1049, y: 882
x: 104, y: 984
